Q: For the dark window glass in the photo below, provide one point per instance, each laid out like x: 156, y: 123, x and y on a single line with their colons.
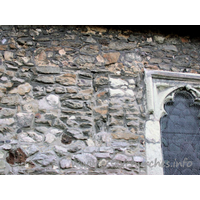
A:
x: 180, y: 135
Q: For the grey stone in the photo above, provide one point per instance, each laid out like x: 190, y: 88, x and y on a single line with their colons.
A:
x: 11, y: 100
x: 159, y: 39
x: 84, y: 83
x: 25, y: 119
x: 32, y: 150
x: 165, y: 66
x: 61, y: 151
x: 122, y: 158
x: 82, y: 59
x: 46, y: 79
x: 102, y: 163
x: 65, y: 163
x: 121, y: 46
x: 138, y: 159
x: 170, y: 48
x: 48, y: 69
x: 2, y: 164
x: 102, y: 155
x: 155, y: 60
x: 73, y: 104
x: 60, y: 90
x: 76, y: 133
x: 35, y: 136
x: 130, y: 57
x: 90, y: 49
x: 106, y: 149
x: 91, y: 40
x: 86, y: 159
x: 44, y: 159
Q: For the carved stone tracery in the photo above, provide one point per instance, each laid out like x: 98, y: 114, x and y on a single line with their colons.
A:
x: 161, y: 87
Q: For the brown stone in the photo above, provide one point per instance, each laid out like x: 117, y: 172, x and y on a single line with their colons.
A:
x: 16, y: 156
x: 121, y: 132
x: 103, y: 110
x: 111, y: 57
x: 152, y: 67
x: 3, y: 47
x: 66, y: 79
x: 8, y: 55
x: 184, y: 40
x: 66, y: 139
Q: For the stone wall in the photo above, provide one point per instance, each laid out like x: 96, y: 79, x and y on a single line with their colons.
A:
x: 72, y: 98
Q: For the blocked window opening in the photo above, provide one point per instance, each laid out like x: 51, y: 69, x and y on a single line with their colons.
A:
x: 180, y: 138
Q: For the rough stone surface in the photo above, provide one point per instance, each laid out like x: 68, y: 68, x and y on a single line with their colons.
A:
x: 86, y: 159
x: 73, y: 98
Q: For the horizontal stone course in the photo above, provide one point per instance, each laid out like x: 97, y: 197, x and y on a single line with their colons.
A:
x: 73, y: 97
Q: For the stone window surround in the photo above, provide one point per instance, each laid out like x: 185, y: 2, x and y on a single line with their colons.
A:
x: 160, y: 88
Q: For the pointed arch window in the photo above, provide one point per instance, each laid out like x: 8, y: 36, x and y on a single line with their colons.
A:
x: 180, y: 138
x: 172, y: 125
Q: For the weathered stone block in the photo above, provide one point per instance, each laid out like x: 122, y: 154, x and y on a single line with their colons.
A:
x: 169, y: 48
x: 101, y: 80
x: 116, y: 92
x: 111, y: 57
x: 90, y: 49
x: 66, y: 79
x: 8, y: 55
x: 65, y: 163
x: 11, y: 100
x: 25, y: 119
x: 159, y: 39
x: 120, y: 132
x: 117, y: 82
x: 122, y: 158
x: 48, y: 69
x: 121, y: 46
x: 73, y: 104
x: 46, y: 79
x: 86, y: 159
x: 61, y: 151
x: 44, y: 159
x: 49, y: 138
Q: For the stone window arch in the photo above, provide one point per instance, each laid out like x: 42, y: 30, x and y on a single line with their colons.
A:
x: 161, y: 88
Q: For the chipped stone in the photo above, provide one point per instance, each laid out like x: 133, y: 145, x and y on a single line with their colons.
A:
x: 66, y: 163
x: 86, y: 159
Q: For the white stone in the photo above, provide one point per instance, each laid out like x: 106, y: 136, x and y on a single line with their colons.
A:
x: 3, y: 78
x: 131, y: 81
x: 72, y: 117
x: 138, y: 159
x: 129, y: 92
x: 35, y: 136
x: 117, y: 82
x: 6, y: 147
x: 8, y: 121
x: 149, y: 39
x: 25, y: 138
x: 49, y: 138
x: 65, y: 163
x: 55, y: 131
x: 1, y: 154
x: 116, y: 92
x: 152, y: 131
x: 53, y: 100
x: 90, y: 142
